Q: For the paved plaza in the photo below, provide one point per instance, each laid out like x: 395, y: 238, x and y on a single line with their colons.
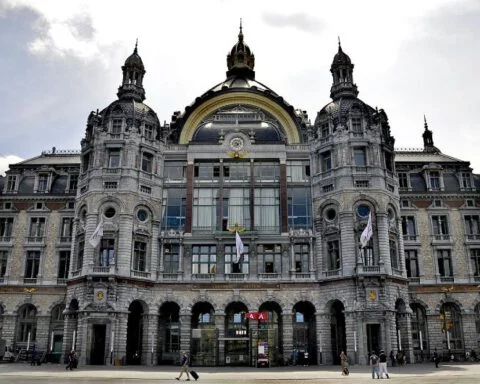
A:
x: 458, y: 373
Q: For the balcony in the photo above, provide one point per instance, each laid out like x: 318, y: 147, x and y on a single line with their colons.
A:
x: 35, y: 240
x: 446, y: 279
x: 170, y: 276
x: 30, y: 280
x: 414, y: 280
x: 268, y: 276
x: 236, y: 276
x: 301, y: 275
x: 102, y: 270
x: 5, y: 239
x: 141, y: 274
x: 472, y: 237
x: 61, y: 281
x: 65, y: 239
x: 333, y: 272
x: 369, y: 269
x: 441, y: 238
x: 203, y: 276
x: 410, y: 237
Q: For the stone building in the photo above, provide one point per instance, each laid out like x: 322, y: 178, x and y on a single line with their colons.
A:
x: 129, y: 250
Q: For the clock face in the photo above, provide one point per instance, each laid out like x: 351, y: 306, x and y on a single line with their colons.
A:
x: 100, y: 295
x: 236, y: 143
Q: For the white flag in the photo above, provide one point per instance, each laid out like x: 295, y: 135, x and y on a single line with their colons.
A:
x: 367, y: 232
x: 239, y: 246
x: 97, y: 234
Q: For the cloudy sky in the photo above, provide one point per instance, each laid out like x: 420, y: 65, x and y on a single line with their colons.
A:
x: 62, y: 59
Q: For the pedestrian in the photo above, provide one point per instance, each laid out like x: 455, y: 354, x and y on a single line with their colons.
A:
x: 435, y: 358
x: 305, y: 359
x: 34, y: 356
x: 382, y: 364
x: 184, y: 363
x: 393, y: 358
x: 344, y: 362
x: 71, y: 360
x: 374, y: 364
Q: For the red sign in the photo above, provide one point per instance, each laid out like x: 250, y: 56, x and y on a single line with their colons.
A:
x: 263, y: 316
x: 253, y: 315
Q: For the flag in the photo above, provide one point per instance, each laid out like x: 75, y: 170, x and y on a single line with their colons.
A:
x: 367, y: 232
x: 253, y: 315
x: 97, y: 234
x: 239, y: 246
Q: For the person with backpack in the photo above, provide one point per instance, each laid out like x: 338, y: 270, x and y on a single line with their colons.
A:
x: 382, y: 364
x: 374, y: 364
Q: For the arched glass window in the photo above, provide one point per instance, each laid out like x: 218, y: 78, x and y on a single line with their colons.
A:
x: 419, y: 328
x: 27, y: 324
x: 451, y: 326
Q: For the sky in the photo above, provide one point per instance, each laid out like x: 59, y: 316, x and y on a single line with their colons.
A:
x: 62, y: 59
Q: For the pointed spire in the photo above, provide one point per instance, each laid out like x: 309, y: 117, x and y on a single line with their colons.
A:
x: 427, y: 135
x: 133, y: 72
x: 425, y: 122
x: 342, y: 72
x: 240, y: 60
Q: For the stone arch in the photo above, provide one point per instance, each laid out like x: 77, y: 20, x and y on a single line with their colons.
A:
x: 109, y: 200
x: 136, y: 334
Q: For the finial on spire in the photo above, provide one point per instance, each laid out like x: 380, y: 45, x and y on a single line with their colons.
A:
x: 136, y: 46
x: 240, y: 34
x: 339, y: 44
x: 425, y: 122
x: 240, y: 25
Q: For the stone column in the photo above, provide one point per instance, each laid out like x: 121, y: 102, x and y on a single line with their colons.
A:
x: 69, y: 325
x: 150, y: 339
x: 124, y: 250
x: 287, y: 325
x: 83, y: 339
x: 42, y: 340
x: 122, y: 326
x: 220, y: 326
x: 8, y: 331
x: 351, y: 336
x: 253, y: 331
x: 347, y: 243
x: 383, y: 246
x: 324, y: 347
x: 185, y: 331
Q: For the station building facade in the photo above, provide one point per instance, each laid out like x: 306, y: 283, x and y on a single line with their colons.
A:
x: 126, y: 250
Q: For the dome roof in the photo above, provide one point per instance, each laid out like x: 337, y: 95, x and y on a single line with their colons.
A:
x: 131, y: 110
x: 134, y: 60
x: 341, y: 57
x: 339, y: 109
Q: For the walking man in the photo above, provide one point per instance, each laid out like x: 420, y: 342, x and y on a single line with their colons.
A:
x: 374, y: 364
x: 435, y: 358
x: 382, y: 364
x: 184, y: 363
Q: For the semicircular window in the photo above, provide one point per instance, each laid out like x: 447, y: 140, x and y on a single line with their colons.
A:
x: 253, y: 122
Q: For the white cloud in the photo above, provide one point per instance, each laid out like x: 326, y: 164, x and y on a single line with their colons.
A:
x: 5, y: 161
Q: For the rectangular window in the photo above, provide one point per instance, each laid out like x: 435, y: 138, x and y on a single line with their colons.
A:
x: 117, y: 126
x: 238, y: 172
x: 171, y: 253
x: 207, y: 172
x: 440, y: 227
x: 11, y: 183
x: 66, y: 230
x: 174, y: 209
x: 147, y: 162
x: 434, y: 180
x: 80, y: 251
x: 269, y: 258
x: 42, y: 185
x: 326, y: 159
x: 267, y: 209
x: 266, y: 172
x: 73, y: 182
x: 114, y: 158
x: 37, y: 229
x: 63, y: 264
x: 106, y: 255
x: 32, y: 264
x: 301, y: 257
x: 148, y: 132
x: 472, y: 227
x: 411, y: 263
x: 299, y: 208
x: 444, y: 260
x: 232, y: 265
x: 6, y: 226
x: 204, y: 208
x: 356, y: 124
x: 359, y: 157
x: 475, y: 258
x: 298, y: 171
x: 409, y: 228
x: 325, y: 130
x: 86, y: 161
x: 466, y: 180
x: 403, y: 180
x: 204, y: 259
x: 236, y: 208
x: 140, y: 256
x: 333, y: 252
x: 174, y: 171
x: 3, y: 263
x: 394, y: 254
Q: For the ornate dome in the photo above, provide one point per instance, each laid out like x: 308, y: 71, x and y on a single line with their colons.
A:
x: 132, y: 83
x: 339, y: 110
x: 341, y: 57
x: 241, y: 60
x: 134, y: 60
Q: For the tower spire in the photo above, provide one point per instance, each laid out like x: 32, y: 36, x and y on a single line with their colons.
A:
x: 133, y: 72
x: 342, y: 72
x: 428, y: 145
x: 241, y: 60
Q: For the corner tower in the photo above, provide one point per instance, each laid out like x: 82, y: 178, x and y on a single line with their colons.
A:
x: 354, y: 186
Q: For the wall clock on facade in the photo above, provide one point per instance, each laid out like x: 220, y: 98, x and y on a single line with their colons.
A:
x: 100, y: 295
x: 236, y: 143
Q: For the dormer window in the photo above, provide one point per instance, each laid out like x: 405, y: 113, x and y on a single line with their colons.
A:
x: 148, y: 132
x: 42, y: 183
x: 465, y: 180
x: 434, y: 180
x: 324, y: 129
x: 403, y: 180
x: 356, y: 124
x: 116, y: 126
x: 11, y: 183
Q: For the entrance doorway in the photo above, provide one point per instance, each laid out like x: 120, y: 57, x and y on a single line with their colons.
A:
x: 97, y: 353
x: 373, y: 338
x: 337, y: 331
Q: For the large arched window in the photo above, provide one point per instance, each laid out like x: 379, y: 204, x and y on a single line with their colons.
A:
x: 419, y: 328
x: 27, y: 324
x: 451, y: 326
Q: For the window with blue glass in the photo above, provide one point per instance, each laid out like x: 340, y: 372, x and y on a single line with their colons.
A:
x: 299, y: 208
x: 174, y: 202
